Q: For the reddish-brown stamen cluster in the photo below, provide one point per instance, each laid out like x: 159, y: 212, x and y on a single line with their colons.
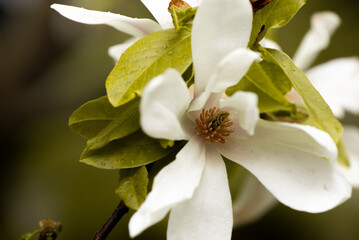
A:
x: 214, y: 125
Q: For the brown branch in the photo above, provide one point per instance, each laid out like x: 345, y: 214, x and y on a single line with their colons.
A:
x: 119, y: 212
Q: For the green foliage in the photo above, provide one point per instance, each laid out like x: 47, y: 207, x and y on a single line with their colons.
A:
x: 342, y: 154
x: 145, y: 59
x: 181, y: 17
x: 132, y: 151
x: 28, y: 236
x: 100, y: 122
x: 132, y: 188
x: 259, y: 80
x: 274, y: 15
x: 319, y: 112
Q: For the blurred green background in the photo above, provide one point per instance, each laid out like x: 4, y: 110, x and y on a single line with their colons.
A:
x: 49, y: 66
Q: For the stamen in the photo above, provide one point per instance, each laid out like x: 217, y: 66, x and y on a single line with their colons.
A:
x: 214, y: 125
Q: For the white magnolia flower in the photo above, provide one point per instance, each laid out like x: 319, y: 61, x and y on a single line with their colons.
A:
x: 137, y: 28
x: 292, y: 161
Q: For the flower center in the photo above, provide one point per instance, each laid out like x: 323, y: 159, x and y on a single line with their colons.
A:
x: 214, y: 125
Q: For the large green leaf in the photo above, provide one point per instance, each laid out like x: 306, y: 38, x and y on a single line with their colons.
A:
x: 274, y: 15
x: 100, y: 122
x: 319, y: 111
x: 132, y: 187
x: 132, y: 151
x: 145, y: 59
x: 270, y: 97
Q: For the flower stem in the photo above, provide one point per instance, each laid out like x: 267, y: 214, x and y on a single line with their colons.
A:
x: 119, y: 212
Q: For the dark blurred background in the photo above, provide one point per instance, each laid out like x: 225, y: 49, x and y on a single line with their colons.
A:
x: 49, y: 66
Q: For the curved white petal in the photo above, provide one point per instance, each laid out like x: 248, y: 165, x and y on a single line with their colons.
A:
x: 159, y: 9
x: 163, y: 106
x: 251, y: 202
x: 338, y: 83
x: 351, y: 142
x: 288, y: 159
x: 203, y: 100
x: 133, y: 26
x: 116, y: 51
x: 242, y: 107
x: 175, y: 183
x: 208, y: 215
x: 267, y: 43
x: 232, y: 68
x: 323, y: 25
x: 218, y: 30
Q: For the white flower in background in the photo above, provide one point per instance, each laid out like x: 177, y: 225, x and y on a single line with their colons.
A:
x: 137, y: 28
x: 338, y: 83
x: 288, y: 159
x: 336, y: 80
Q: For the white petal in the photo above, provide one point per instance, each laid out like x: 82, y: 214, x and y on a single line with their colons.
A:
x: 351, y: 142
x: 203, y: 100
x: 323, y: 25
x: 242, y: 107
x: 338, y: 83
x: 159, y: 9
x: 133, y: 26
x: 251, y: 202
x: 217, y: 31
x: 164, y: 102
x: 288, y: 159
x: 116, y: 51
x: 175, y: 183
x: 208, y: 215
x: 232, y: 68
x: 267, y: 43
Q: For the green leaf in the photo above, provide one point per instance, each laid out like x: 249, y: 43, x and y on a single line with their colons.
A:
x: 132, y: 188
x: 275, y: 73
x: 100, y: 122
x: 182, y: 16
x: 343, y: 158
x: 132, y: 151
x: 28, y: 236
x: 319, y: 111
x: 270, y: 97
x: 145, y: 59
x: 274, y: 15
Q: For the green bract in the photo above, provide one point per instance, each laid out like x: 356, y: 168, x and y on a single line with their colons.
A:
x: 319, y: 112
x: 132, y: 188
x: 100, y: 122
x: 145, y: 59
x: 182, y: 16
x: 132, y: 151
x: 274, y: 15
